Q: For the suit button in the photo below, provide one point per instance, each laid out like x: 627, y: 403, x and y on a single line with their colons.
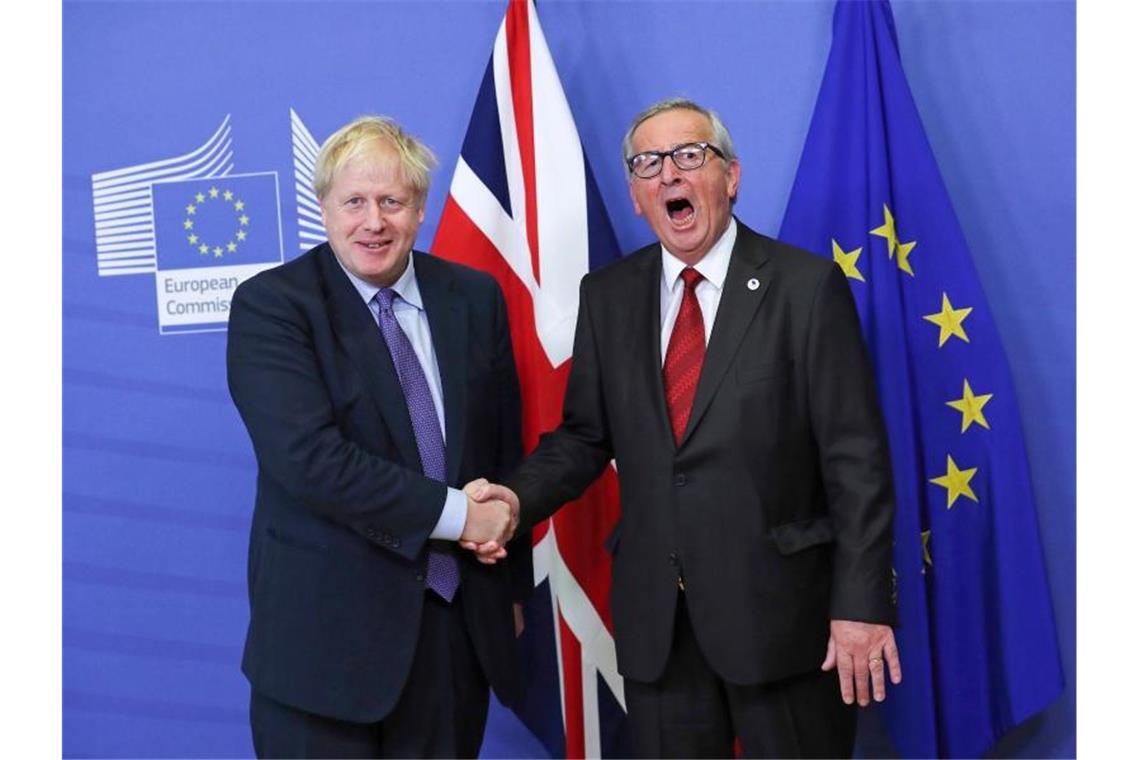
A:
x: 395, y: 543
x: 371, y: 533
x: 420, y: 577
x: 679, y: 479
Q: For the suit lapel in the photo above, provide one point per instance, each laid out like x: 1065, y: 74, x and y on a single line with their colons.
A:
x: 356, y: 328
x: 643, y: 344
x: 744, y: 289
x: 447, y: 316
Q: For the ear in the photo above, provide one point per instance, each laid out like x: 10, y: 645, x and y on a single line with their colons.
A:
x: 633, y: 197
x: 324, y: 215
x: 733, y: 172
x: 421, y: 213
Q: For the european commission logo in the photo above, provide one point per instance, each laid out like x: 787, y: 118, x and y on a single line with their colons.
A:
x: 211, y: 235
x: 198, y: 228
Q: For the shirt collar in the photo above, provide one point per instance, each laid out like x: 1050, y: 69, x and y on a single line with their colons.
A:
x: 406, y: 287
x: 713, y: 266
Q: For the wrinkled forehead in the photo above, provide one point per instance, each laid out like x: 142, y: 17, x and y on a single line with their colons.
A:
x: 668, y: 129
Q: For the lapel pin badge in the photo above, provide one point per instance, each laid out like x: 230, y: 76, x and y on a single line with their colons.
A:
x: 753, y: 284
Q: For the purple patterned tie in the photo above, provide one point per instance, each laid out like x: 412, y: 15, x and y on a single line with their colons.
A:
x: 442, y: 569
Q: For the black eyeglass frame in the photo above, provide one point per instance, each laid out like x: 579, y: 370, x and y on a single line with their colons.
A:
x: 705, y: 147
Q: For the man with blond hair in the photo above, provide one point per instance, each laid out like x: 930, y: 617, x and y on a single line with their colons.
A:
x: 373, y: 380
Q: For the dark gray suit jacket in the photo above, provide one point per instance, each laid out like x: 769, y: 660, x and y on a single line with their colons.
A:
x: 776, y: 507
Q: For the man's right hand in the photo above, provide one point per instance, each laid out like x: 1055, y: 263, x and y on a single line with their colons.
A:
x: 482, y: 492
x: 490, y: 523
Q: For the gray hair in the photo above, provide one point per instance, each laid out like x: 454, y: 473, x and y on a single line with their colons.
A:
x: 369, y: 134
x: 720, y: 136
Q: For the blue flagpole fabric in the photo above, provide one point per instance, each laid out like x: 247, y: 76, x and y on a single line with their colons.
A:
x: 976, y: 630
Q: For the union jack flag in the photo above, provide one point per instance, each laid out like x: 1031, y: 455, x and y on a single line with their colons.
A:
x: 523, y: 205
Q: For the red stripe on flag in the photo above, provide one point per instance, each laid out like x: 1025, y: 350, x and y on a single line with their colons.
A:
x: 518, y: 54
x: 582, y: 526
x: 572, y: 691
x: 541, y: 384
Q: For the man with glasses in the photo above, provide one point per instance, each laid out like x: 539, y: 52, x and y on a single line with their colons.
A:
x: 725, y: 373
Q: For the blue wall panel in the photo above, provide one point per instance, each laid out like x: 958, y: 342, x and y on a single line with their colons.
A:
x: 158, y: 473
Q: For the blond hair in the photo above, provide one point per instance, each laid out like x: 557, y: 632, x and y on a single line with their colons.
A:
x: 368, y: 135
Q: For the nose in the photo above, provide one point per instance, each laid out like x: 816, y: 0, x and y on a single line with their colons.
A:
x: 373, y: 219
x: 669, y: 171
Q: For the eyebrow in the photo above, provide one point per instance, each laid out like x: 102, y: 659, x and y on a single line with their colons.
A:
x: 671, y: 148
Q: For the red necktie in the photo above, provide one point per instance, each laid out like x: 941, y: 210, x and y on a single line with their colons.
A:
x: 684, y: 356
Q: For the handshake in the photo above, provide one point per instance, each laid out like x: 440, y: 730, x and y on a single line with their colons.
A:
x: 492, y: 517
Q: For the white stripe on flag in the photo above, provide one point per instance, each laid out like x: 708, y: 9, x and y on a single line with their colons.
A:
x: 581, y: 616
x: 591, y: 722
x: 560, y: 178
x: 542, y: 553
x: 554, y: 322
x: 512, y: 159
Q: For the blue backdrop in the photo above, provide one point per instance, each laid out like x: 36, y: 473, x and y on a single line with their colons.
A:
x: 158, y: 472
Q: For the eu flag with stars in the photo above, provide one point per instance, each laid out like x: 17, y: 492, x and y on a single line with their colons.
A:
x: 977, y: 637
x: 217, y: 221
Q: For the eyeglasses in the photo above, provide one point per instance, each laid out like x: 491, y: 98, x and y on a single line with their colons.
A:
x: 685, y: 157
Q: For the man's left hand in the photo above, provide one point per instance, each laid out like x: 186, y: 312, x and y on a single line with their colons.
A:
x: 859, y: 650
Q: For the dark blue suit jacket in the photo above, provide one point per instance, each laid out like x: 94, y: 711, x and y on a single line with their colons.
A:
x: 338, y: 544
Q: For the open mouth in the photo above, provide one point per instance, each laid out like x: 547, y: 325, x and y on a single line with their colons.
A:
x: 680, y: 210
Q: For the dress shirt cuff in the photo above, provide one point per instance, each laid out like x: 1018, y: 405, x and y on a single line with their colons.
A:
x: 453, y: 518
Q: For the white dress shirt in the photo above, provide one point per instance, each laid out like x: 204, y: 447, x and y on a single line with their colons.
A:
x: 713, y: 268
x: 408, y: 307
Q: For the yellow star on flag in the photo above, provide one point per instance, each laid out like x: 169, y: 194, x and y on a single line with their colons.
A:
x: 228, y: 195
x: 904, y: 256
x: 213, y: 192
x: 970, y: 406
x: 847, y: 261
x: 191, y: 209
x: 243, y: 219
x: 217, y: 250
x: 203, y: 248
x: 887, y: 230
x: 241, y: 234
x: 187, y: 224
x: 956, y: 482
x: 239, y: 205
x: 949, y: 321
x: 231, y: 246
x: 193, y: 239
x: 199, y: 197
